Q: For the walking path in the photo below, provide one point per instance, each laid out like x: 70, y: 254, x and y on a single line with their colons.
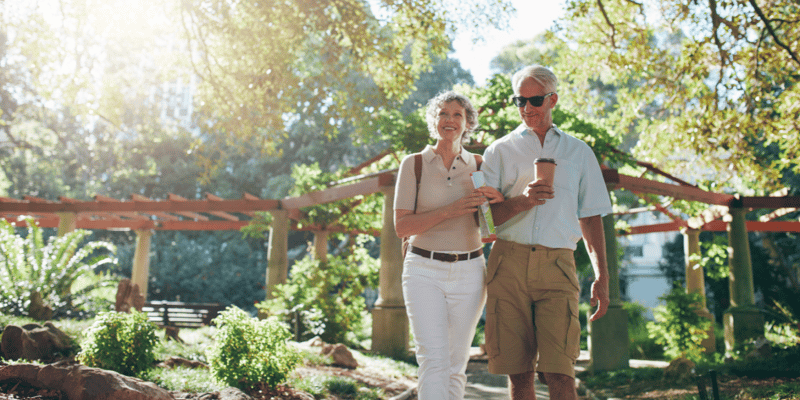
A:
x: 483, y: 385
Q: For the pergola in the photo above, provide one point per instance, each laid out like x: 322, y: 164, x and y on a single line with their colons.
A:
x: 390, y: 325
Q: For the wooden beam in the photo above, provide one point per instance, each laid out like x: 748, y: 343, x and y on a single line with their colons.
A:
x: 365, y: 187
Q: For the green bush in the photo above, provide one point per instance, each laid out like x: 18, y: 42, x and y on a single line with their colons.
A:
x: 120, y: 342
x: 642, y: 346
x: 56, y: 279
x: 324, y: 298
x: 248, y: 352
x: 678, y: 327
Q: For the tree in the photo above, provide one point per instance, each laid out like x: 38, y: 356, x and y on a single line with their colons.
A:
x: 715, y: 80
x: 260, y: 62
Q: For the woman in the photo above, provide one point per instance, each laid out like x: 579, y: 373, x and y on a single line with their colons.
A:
x: 443, y: 271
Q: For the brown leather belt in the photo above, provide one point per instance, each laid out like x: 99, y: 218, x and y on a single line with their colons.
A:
x: 446, y: 257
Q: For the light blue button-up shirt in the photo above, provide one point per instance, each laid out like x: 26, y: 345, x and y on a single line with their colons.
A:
x: 579, y: 188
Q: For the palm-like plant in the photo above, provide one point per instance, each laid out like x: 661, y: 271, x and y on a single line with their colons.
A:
x: 60, y: 274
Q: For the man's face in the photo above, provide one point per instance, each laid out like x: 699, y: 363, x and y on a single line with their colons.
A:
x: 539, y: 119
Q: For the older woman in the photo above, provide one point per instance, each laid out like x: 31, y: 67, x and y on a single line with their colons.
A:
x: 444, y: 269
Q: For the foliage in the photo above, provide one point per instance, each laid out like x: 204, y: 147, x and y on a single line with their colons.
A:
x: 324, y: 298
x: 64, y: 271
x: 642, y: 345
x: 183, y: 379
x: 784, y: 330
x: 713, y: 257
x: 205, y: 267
x: 678, y: 327
x: 122, y: 342
x: 352, y: 56
x: 714, y: 81
x: 248, y: 352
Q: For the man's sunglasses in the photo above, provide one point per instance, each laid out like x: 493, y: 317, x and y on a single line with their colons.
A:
x: 536, y: 101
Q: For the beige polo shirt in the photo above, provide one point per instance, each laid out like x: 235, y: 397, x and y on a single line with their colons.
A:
x: 439, y: 187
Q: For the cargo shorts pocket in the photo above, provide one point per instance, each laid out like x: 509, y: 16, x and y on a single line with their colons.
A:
x: 490, y: 329
x: 573, y: 345
x: 567, y: 271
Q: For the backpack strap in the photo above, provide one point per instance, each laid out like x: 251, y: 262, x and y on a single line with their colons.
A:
x: 418, y: 175
x: 478, y: 161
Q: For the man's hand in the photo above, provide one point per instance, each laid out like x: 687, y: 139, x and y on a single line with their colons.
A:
x: 599, y: 298
x: 537, y: 192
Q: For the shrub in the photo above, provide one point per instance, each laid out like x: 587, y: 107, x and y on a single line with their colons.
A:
x: 248, y: 352
x: 60, y: 275
x: 642, y: 346
x: 678, y: 327
x: 120, y: 342
x: 324, y: 299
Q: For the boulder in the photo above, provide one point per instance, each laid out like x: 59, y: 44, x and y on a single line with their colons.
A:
x: 128, y: 297
x: 79, y: 382
x: 34, y: 342
x: 340, y: 354
x: 680, y: 370
x: 176, y: 361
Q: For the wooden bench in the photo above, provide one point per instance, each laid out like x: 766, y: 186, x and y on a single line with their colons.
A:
x: 182, y: 315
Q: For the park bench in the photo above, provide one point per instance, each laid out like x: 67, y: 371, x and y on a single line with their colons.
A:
x: 182, y: 315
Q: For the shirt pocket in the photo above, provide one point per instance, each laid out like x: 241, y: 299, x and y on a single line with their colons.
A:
x: 567, y: 175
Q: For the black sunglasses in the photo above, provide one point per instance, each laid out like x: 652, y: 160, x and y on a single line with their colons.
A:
x: 536, y: 101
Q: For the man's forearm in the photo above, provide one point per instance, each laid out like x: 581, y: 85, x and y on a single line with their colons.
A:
x: 504, y: 211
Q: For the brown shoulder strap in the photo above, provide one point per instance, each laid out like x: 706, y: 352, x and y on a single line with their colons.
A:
x: 418, y: 167
x: 418, y: 175
x: 478, y: 161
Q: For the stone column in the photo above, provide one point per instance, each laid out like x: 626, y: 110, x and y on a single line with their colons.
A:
x: 742, y: 320
x: 278, y: 259
x: 390, y: 328
x: 608, y: 336
x: 141, y: 260
x: 67, y: 222
x: 695, y: 282
x: 321, y: 246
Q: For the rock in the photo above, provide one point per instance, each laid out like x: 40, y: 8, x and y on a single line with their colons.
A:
x: 680, y: 370
x: 175, y: 361
x: 128, y: 297
x: 79, y: 382
x: 233, y: 394
x: 38, y: 310
x: 340, y: 354
x: 34, y: 342
x: 316, y: 341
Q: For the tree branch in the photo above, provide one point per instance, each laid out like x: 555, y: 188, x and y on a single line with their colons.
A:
x: 772, y: 32
x: 608, y: 21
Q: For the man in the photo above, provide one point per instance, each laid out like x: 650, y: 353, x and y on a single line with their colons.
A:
x: 533, y: 290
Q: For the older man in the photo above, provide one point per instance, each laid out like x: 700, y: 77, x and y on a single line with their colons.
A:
x: 532, y: 307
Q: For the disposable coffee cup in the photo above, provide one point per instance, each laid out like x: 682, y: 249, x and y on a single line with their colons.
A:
x: 545, y: 169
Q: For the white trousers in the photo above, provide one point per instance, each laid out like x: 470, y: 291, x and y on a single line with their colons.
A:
x: 444, y: 302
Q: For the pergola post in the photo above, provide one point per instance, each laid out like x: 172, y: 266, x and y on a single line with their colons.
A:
x: 608, y: 336
x: 742, y: 320
x: 67, y: 222
x: 695, y: 282
x: 389, y: 320
x: 141, y: 261
x: 278, y: 264
x: 321, y: 246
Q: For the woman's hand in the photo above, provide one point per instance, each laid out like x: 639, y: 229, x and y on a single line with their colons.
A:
x: 465, y: 205
x: 408, y: 223
x: 491, y: 194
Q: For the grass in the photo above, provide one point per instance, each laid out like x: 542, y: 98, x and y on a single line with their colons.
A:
x: 200, y: 380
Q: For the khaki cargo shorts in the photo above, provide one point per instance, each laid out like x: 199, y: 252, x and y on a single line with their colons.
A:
x: 532, y: 310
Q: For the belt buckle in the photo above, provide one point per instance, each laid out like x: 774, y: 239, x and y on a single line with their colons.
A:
x: 451, y: 258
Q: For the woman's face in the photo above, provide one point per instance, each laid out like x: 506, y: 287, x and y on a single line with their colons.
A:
x: 451, y: 121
